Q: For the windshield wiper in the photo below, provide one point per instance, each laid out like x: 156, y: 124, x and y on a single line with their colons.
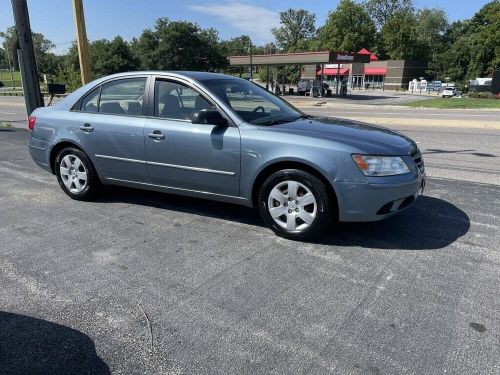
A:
x: 282, y: 120
x: 302, y: 117
x: 276, y: 122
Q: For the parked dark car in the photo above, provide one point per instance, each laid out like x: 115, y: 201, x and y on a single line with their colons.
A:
x: 218, y: 137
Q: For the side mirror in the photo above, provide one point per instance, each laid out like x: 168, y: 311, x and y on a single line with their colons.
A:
x: 210, y: 116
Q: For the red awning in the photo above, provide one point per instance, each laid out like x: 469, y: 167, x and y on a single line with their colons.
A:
x: 364, y: 51
x: 375, y: 71
x: 333, y: 71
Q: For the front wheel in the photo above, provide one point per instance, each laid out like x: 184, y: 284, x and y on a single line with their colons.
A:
x: 295, y: 204
x: 76, y: 174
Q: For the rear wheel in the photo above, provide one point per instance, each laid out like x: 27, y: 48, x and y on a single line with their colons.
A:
x: 295, y: 204
x: 76, y: 174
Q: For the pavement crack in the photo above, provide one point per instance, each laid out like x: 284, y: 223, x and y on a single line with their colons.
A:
x: 150, y: 328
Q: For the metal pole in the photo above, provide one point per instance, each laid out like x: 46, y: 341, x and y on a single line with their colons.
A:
x: 31, y: 86
x: 267, y: 78
x: 81, y: 40
x: 251, y: 62
x: 337, y: 80
x: 322, y: 77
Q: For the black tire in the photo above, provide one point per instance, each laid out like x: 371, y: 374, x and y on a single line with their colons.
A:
x: 324, y: 205
x: 92, y: 185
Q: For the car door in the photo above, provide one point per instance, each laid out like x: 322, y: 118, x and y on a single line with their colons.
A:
x: 187, y: 156
x: 110, y: 126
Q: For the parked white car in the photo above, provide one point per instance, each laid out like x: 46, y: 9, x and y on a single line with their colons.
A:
x: 448, y: 92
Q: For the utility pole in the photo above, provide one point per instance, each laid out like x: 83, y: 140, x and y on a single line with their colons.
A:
x: 81, y: 41
x: 31, y: 86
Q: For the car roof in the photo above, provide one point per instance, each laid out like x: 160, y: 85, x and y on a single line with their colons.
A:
x: 68, y: 102
x: 197, y: 76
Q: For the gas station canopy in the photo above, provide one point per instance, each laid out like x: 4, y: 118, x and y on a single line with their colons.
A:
x: 299, y: 58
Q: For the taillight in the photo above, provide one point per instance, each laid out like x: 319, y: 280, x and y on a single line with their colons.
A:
x: 31, y: 122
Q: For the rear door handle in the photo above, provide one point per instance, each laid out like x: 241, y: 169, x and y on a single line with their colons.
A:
x: 87, y: 128
x: 156, y: 135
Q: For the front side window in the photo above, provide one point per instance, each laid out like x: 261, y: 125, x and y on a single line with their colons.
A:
x: 123, y: 97
x: 176, y: 101
x: 251, y: 102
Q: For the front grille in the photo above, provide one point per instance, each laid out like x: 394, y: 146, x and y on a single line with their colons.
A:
x: 419, y: 161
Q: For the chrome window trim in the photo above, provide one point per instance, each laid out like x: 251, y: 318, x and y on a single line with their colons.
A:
x: 195, y: 169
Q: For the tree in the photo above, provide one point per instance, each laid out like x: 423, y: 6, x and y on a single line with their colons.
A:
x: 399, y: 37
x: 108, y: 57
x: 485, y: 29
x: 432, y: 25
x: 3, y: 58
x: 179, y: 45
x: 47, y: 62
x: 382, y: 10
x: 10, y: 42
x: 348, y: 28
x: 297, y: 28
x: 237, y: 46
x: 474, y: 50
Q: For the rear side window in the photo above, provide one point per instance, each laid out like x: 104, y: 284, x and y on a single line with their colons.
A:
x: 90, y: 103
x: 123, y: 97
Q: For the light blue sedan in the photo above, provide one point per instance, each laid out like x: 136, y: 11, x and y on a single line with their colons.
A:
x: 222, y: 138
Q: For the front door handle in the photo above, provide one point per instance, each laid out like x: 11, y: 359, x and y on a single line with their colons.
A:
x: 156, y: 135
x: 87, y: 127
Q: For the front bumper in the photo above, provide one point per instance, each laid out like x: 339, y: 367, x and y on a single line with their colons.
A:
x: 376, y: 201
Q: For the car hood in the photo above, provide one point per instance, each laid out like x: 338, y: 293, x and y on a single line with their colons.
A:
x: 370, y: 139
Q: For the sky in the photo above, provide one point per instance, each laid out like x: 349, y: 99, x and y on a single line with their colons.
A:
x: 107, y: 18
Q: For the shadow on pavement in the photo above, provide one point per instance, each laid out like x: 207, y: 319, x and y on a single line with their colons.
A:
x: 197, y: 206
x: 357, y: 97
x: 35, y: 346
x: 464, y: 152
x: 430, y: 223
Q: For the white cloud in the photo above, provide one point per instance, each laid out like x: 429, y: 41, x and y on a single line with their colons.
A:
x: 252, y: 20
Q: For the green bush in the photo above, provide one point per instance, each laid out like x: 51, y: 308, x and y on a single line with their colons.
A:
x: 70, y: 77
x: 482, y: 95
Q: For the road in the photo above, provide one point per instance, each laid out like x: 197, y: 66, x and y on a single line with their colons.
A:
x: 149, y: 283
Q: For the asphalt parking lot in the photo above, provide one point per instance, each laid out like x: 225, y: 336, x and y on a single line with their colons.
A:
x: 147, y: 283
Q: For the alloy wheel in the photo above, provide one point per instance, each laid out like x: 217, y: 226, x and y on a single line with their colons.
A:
x: 292, y: 206
x: 73, y: 173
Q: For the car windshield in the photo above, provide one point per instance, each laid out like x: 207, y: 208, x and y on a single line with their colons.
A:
x: 251, y: 102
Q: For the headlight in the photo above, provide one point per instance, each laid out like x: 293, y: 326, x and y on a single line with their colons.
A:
x: 380, y: 165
